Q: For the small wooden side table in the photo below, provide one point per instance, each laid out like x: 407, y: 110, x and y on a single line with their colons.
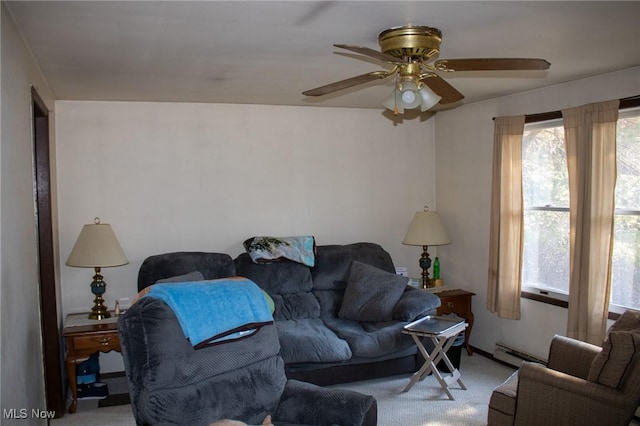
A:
x: 85, y: 337
x: 457, y: 301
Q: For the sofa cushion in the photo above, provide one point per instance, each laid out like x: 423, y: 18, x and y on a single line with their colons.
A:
x: 296, y: 306
x: 371, y: 293
x: 629, y: 320
x: 308, y: 404
x: 191, y: 276
x: 309, y: 340
x: 283, y: 277
x: 371, y: 339
x: 330, y: 302
x: 211, y: 265
x: 619, y: 352
x: 415, y: 303
x: 334, y: 261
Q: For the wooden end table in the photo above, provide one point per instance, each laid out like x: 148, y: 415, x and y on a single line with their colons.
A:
x: 85, y: 337
x: 456, y: 301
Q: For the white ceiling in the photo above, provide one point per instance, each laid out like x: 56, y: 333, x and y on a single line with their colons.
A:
x: 269, y: 52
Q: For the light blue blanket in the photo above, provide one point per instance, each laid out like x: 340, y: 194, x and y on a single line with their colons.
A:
x: 215, y: 311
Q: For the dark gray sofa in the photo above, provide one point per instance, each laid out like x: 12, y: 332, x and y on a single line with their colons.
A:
x: 317, y: 345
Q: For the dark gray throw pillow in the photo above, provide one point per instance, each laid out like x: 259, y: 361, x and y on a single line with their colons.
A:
x: 371, y: 293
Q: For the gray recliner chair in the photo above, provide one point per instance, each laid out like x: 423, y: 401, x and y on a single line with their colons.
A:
x: 170, y: 382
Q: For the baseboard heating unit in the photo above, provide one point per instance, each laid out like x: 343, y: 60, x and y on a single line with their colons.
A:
x: 513, y: 356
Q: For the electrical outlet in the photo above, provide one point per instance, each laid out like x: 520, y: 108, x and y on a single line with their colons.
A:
x: 402, y: 270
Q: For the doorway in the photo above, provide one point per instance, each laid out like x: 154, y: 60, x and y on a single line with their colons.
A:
x: 54, y: 390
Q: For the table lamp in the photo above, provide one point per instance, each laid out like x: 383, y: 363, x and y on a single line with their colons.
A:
x: 426, y: 230
x: 97, y: 247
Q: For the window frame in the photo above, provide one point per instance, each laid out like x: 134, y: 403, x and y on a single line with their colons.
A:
x: 557, y: 298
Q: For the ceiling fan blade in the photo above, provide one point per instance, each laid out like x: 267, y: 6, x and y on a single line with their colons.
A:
x: 491, y: 64
x: 447, y: 92
x: 371, y: 53
x: 343, y: 84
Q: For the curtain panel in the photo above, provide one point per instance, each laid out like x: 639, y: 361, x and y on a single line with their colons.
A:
x: 590, y: 139
x: 507, y: 220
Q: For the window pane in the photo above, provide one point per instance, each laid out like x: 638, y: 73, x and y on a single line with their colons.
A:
x: 546, y: 250
x: 625, y: 285
x: 628, y: 156
x: 544, y: 166
x: 625, y: 276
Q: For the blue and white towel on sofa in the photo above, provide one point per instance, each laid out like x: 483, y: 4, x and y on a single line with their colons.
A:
x: 215, y: 311
x: 299, y: 249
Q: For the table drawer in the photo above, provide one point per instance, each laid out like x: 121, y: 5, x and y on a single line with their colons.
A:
x: 97, y: 342
x: 456, y: 304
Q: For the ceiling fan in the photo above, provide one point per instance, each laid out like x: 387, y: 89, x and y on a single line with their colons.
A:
x: 411, y: 49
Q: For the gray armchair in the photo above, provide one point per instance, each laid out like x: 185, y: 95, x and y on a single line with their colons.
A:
x: 170, y: 382
x: 582, y: 384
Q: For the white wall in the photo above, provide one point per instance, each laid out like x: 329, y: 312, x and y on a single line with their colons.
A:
x: 464, y: 143
x: 22, y: 384
x: 171, y: 176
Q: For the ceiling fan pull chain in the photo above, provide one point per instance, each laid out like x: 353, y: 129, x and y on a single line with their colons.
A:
x: 395, y: 98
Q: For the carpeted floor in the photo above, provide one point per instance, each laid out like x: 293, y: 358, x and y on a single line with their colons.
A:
x: 427, y: 404
x: 424, y: 405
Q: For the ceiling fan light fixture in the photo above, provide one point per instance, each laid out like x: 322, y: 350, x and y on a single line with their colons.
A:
x: 394, y: 102
x: 409, y: 97
x: 429, y: 98
x: 410, y: 49
x: 409, y: 94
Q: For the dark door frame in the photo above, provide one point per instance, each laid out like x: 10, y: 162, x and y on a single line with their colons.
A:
x: 54, y: 390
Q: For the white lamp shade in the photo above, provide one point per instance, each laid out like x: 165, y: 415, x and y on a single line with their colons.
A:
x: 394, y: 101
x: 429, y: 98
x: 409, y: 97
x: 426, y: 229
x: 97, y: 247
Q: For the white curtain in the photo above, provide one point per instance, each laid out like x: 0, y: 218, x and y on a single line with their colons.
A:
x: 590, y: 137
x: 507, y: 220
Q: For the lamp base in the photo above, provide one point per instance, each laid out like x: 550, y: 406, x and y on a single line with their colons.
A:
x: 98, y: 287
x: 426, y: 281
x: 99, y: 311
x: 425, y: 264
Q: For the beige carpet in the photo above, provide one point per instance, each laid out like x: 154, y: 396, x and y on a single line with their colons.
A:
x: 425, y: 404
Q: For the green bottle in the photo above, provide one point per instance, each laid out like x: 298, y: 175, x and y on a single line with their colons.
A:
x: 436, y: 269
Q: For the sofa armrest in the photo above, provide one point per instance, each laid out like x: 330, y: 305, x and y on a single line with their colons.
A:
x: 547, y: 396
x: 415, y: 303
x: 571, y: 356
x: 305, y: 403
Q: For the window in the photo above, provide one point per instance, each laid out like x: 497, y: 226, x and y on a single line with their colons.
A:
x: 545, y: 195
x: 545, y: 268
x: 626, y: 248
